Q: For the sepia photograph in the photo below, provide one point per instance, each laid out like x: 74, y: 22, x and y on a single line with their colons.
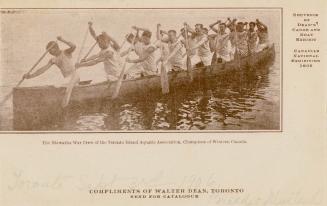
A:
x: 141, y: 70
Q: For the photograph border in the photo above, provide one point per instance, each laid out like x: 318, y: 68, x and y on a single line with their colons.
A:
x: 281, y: 48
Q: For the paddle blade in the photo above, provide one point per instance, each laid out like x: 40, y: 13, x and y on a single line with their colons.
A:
x: 189, y: 67
x: 119, y: 82
x: 117, y: 89
x: 9, y: 95
x: 6, y: 98
x: 164, y: 80
x: 69, y: 89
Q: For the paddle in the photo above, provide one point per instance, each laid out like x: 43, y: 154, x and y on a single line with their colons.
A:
x: 163, y: 73
x: 29, y: 71
x: 188, y: 59
x: 83, y: 42
x: 123, y: 43
x: 121, y: 76
x: 90, y: 50
x: 75, y: 77
x: 164, y: 80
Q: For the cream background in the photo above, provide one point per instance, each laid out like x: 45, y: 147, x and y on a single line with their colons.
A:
x: 281, y: 168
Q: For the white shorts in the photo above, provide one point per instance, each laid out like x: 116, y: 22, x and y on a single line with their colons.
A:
x: 232, y: 52
x: 176, y: 68
x: 206, y: 60
x: 135, y: 70
x: 226, y: 57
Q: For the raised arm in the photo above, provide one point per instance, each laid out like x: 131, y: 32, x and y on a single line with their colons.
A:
x: 189, y: 29
x: 231, y: 24
x: 132, y: 44
x: 160, y: 34
x: 39, y: 71
x: 212, y: 26
x: 114, y: 43
x: 260, y: 24
x: 140, y: 28
x: 92, y: 32
x: 137, y: 35
x: 71, y: 48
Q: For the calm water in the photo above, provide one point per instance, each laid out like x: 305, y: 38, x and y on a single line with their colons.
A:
x: 240, y: 104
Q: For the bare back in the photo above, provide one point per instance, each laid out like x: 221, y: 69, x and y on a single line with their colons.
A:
x: 65, y: 63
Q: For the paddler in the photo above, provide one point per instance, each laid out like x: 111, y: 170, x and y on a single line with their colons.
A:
x: 221, y: 44
x: 109, y: 57
x: 241, y: 40
x: 201, y: 45
x: 252, y: 38
x: 164, y: 51
x: 231, y: 25
x: 174, y: 58
x: 191, y: 41
x: 63, y: 60
x: 144, y: 49
x: 262, y: 31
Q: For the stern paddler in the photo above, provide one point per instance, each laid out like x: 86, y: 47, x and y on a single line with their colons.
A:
x: 262, y: 31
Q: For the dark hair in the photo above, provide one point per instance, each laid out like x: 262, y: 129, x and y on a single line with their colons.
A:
x: 147, y: 34
x: 222, y: 24
x: 51, y: 44
x: 172, y: 31
x: 201, y: 25
x: 103, y: 36
x: 252, y: 23
x: 130, y: 36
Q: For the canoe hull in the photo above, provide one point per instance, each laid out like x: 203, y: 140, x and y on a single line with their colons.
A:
x: 37, y: 106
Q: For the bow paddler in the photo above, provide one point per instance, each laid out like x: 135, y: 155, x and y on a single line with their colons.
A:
x: 62, y: 59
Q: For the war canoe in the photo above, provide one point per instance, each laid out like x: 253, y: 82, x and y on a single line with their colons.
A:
x: 34, y: 106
